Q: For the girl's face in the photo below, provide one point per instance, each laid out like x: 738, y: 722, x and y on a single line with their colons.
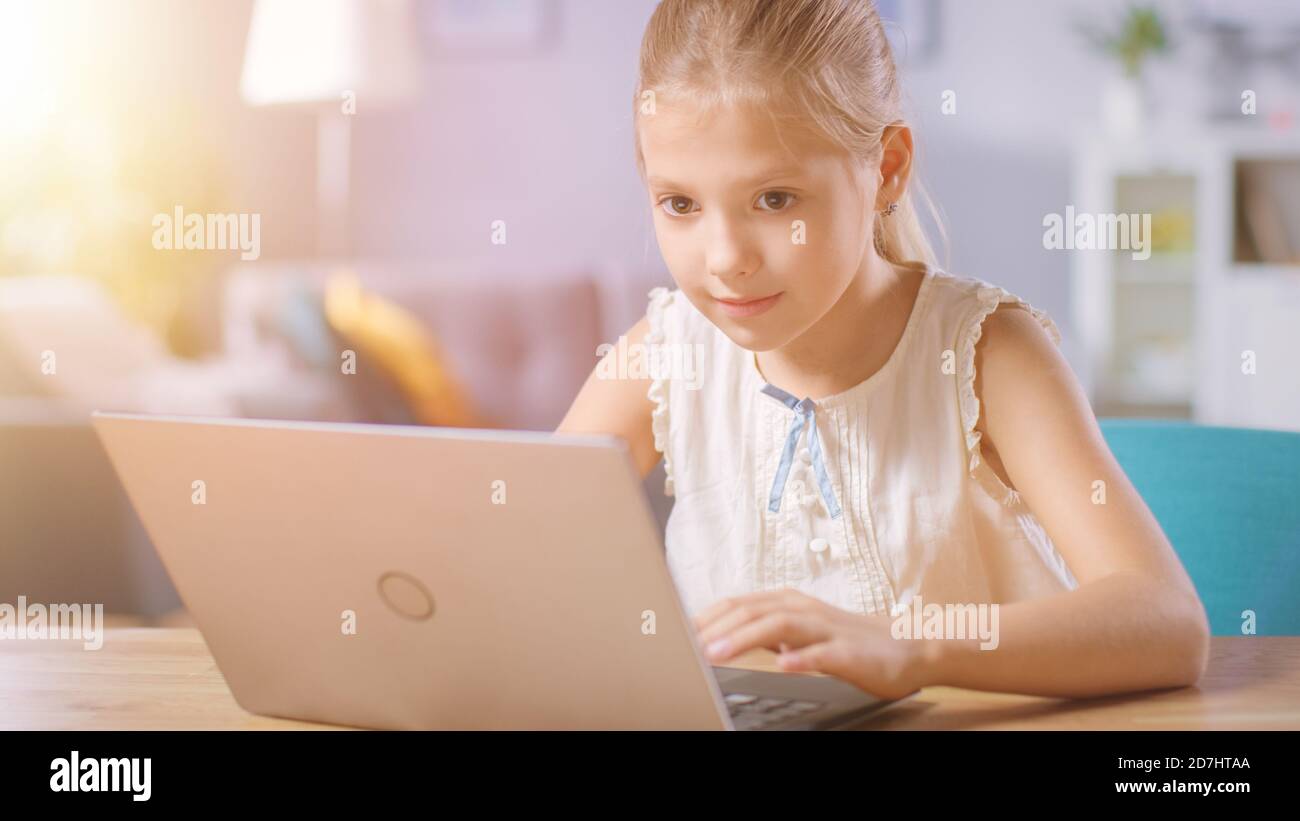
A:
x: 761, y: 238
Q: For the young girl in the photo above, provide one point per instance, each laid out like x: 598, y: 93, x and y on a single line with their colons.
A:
x: 866, y: 434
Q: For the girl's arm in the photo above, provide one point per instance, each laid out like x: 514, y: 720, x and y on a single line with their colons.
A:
x: 1135, y: 621
x: 617, y: 406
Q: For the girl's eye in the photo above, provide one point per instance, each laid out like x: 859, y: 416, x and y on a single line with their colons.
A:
x: 671, y: 205
x: 770, y: 201
x: 775, y: 200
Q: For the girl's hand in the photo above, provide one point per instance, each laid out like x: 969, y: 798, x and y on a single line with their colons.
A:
x: 813, y: 636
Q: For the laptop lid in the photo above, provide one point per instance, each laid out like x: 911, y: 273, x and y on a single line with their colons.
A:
x: 414, y: 577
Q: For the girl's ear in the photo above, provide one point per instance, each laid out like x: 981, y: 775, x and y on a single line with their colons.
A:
x: 895, y: 164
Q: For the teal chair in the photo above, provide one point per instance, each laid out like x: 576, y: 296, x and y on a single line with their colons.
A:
x: 1229, y: 501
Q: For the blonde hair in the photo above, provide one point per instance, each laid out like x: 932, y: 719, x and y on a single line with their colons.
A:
x: 822, y: 66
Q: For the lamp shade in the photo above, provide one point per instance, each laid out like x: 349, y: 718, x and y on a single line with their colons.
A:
x: 310, y: 51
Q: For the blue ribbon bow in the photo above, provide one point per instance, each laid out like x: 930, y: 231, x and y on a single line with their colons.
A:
x: 805, y: 413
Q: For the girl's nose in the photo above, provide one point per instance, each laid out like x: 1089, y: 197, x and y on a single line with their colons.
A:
x: 731, y: 254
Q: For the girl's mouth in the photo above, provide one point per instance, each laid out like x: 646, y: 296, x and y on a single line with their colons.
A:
x: 747, y: 307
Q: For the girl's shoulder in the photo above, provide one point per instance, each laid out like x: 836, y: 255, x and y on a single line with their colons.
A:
x: 961, y: 307
x: 964, y: 302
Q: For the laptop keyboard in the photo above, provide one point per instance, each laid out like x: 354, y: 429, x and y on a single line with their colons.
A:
x: 750, y: 712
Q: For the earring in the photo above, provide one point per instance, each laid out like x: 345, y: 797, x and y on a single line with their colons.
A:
x: 893, y: 206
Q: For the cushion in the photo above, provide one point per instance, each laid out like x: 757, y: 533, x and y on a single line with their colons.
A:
x: 387, y: 337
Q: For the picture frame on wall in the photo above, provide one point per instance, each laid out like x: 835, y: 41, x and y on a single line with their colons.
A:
x: 487, y: 27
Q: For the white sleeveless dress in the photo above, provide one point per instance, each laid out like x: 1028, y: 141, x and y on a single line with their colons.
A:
x: 902, y: 505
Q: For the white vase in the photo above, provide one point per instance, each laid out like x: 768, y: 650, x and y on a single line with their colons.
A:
x: 1123, y: 106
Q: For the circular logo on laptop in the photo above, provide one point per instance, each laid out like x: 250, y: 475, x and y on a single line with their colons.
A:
x: 406, y: 596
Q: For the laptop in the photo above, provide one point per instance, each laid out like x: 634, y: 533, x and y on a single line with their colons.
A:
x: 406, y: 577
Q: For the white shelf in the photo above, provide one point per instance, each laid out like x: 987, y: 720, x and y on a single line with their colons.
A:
x: 1198, y: 298
x: 1251, y: 270
x: 1170, y: 269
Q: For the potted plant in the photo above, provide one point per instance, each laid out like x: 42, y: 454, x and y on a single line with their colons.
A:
x: 1139, y: 34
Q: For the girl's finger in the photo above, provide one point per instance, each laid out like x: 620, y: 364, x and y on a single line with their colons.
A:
x: 791, y: 598
x: 736, y: 612
x: 829, y: 657
x: 770, y: 631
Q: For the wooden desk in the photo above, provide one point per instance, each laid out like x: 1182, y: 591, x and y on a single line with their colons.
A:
x: 165, y: 679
